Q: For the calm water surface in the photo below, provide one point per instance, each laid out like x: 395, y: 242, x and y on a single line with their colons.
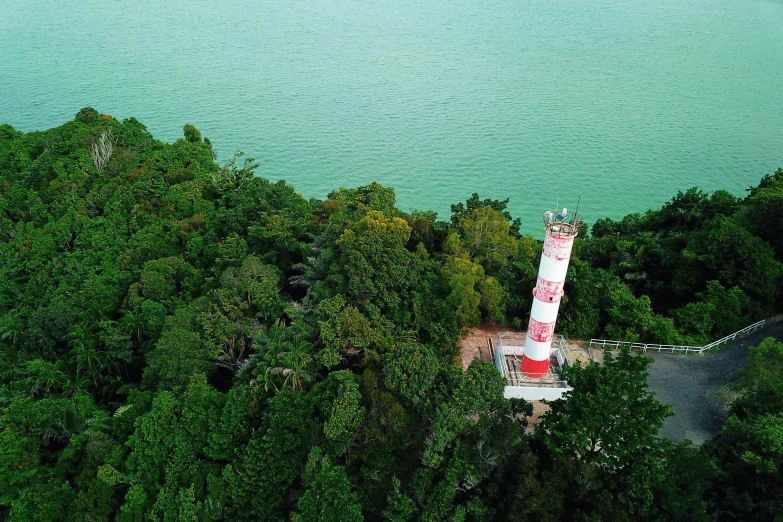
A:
x: 624, y: 101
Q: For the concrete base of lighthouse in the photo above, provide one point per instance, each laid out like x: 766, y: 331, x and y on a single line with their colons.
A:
x: 534, y: 369
x: 548, y: 386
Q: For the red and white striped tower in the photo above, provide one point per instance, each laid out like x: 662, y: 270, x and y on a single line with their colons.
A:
x: 549, y: 289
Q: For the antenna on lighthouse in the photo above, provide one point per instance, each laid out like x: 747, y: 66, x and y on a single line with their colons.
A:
x: 576, y: 212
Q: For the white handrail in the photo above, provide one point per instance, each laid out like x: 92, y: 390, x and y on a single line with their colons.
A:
x: 616, y: 344
x: 563, y: 347
x: 500, y: 357
x: 676, y: 347
x: 523, y: 377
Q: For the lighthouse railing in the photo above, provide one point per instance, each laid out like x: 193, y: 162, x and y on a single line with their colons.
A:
x: 500, y: 357
x: 521, y: 379
x: 562, y: 345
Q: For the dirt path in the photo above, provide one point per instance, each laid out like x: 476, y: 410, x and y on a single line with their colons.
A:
x: 690, y: 383
x: 475, y: 344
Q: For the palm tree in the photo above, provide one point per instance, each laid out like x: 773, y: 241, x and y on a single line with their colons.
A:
x: 81, y: 332
x: 10, y: 334
x: 7, y: 363
x: 285, y: 361
x: 44, y: 377
x: 295, y: 365
x: 88, y: 362
x: 314, y: 270
x: 92, y: 364
x: 269, y: 344
x: 134, y: 324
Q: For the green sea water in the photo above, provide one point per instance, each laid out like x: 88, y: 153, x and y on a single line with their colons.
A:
x: 623, y: 101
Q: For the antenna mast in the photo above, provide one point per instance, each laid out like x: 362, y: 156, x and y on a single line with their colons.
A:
x: 576, y: 212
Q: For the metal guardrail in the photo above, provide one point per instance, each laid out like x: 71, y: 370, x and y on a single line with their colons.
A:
x: 500, y: 357
x: 515, y: 378
x: 563, y: 347
x: 675, y: 347
x: 617, y: 344
x: 740, y: 333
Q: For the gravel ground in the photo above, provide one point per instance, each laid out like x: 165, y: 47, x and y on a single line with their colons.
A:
x: 689, y: 383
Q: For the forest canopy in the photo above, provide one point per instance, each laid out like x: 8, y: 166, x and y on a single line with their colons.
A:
x: 182, y: 340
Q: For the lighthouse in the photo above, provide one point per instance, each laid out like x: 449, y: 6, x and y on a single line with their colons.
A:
x: 559, y: 241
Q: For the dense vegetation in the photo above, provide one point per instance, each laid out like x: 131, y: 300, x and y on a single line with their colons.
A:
x: 186, y: 341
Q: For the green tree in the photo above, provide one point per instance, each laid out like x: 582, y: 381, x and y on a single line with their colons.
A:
x: 411, y: 370
x: 328, y: 496
x: 342, y: 411
x: 283, y: 359
x: 609, y: 417
x: 760, y: 386
x: 478, y: 392
x: 486, y: 235
x: 192, y: 134
x: 632, y: 319
x: 373, y: 267
x: 474, y: 203
x: 179, y: 354
x: 266, y: 467
x: 750, y: 459
x: 748, y: 450
x: 761, y: 210
x: 344, y: 331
